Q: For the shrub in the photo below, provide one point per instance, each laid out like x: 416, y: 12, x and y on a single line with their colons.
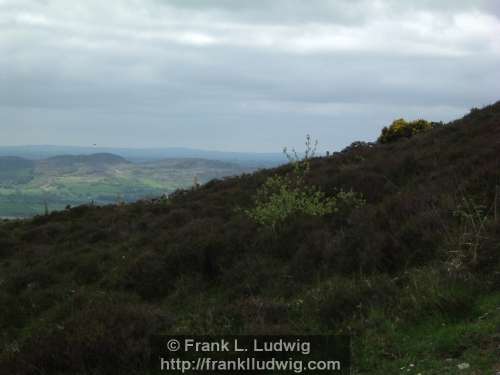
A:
x: 103, y: 337
x: 150, y: 276
x: 430, y: 291
x: 88, y: 270
x: 473, y: 224
x: 282, y: 197
x: 277, y: 200
x: 401, y: 128
x: 340, y: 299
x: 7, y: 245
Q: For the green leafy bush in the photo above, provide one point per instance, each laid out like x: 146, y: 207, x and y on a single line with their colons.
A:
x: 278, y: 199
x: 281, y: 197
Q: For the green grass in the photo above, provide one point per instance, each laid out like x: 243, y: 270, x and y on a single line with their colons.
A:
x: 435, y: 345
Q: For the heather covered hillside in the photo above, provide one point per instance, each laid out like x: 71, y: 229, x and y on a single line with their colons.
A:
x: 395, y: 243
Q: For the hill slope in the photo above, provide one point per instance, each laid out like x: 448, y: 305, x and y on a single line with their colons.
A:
x: 100, y: 159
x: 413, y: 275
x: 14, y: 170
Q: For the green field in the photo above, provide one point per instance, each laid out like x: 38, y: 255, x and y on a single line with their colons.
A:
x: 29, y: 188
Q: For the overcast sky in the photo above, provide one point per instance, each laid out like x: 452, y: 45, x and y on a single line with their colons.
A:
x: 252, y: 75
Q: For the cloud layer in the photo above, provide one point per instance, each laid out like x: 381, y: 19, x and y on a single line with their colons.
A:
x: 238, y: 75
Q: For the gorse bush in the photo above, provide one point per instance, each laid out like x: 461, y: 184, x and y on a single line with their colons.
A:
x: 401, y: 128
x: 281, y: 197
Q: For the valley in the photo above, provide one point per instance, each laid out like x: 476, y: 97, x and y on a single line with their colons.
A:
x: 31, y: 187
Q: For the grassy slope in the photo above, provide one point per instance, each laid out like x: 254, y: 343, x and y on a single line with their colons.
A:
x: 102, y: 279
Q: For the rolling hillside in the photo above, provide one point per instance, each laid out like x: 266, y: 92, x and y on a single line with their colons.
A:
x: 27, y: 187
x: 15, y: 170
x: 411, y: 271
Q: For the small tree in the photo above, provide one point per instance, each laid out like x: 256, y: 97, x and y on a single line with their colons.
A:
x: 301, y: 165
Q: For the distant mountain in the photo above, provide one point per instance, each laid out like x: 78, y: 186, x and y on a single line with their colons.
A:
x: 246, y: 159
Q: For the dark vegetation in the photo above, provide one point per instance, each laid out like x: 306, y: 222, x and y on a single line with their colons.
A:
x: 413, y: 274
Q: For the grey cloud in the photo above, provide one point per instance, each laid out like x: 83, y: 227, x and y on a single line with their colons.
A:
x: 238, y: 75
x: 299, y: 11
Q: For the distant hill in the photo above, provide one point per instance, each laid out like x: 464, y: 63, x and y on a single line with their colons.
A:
x: 15, y: 170
x: 410, y: 271
x: 93, y: 159
x: 247, y: 159
x: 182, y: 163
x: 10, y: 163
x: 28, y: 186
